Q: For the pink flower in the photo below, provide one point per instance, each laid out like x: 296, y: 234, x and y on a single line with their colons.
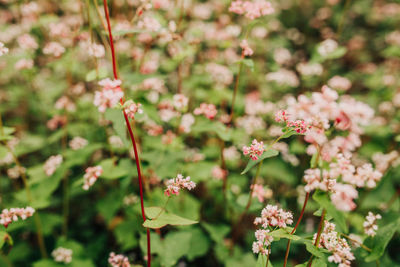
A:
x: 252, y: 10
x: 180, y: 101
x: 255, y: 150
x: 131, y: 108
x: 118, y: 260
x: 369, y: 224
x: 282, y: 116
x: 11, y: 215
x: 23, y: 64
x: 274, y: 217
x: 63, y: 255
x: 78, y: 143
x: 96, y: 50
x: 263, y: 241
x: 208, y: 110
x: 340, y: 249
x: 91, y: 176
x: 219, y: 173
x: 53, y: 48
x: 3, y: 49
x: 247, y: 51
x: 51, y: 165
x: 261, y: 193
x: 343, y: 197
x: 176, y: 184
x: 109, y: 96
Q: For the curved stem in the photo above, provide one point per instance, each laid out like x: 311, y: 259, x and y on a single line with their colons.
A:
x: 295, y: 227
x: 131, y: 135
x: 355, y: 241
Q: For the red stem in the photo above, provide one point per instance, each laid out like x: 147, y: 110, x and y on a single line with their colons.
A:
x: 137, y: 160
x: 294, y: 229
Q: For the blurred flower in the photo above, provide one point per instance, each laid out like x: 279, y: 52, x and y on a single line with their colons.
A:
x: 91, y: 176
x: 8, y: 216
x: 63, y: 255
x: 51, y: 164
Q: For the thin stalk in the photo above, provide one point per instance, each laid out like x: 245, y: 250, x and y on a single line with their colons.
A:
x: 320, y: 229
x: 137, y: 160
x: 235, y: 89
x: 269, y: 253
x: 38, y: 224
x: 294, y: 229
x: 358, y: 243
x: 342, y: 18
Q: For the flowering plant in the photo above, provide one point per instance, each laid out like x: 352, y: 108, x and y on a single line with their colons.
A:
x: 199, y: 133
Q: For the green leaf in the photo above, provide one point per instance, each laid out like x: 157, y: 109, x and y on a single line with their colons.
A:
x: 164, y: 219
x: 5, y: 237
x: 92, y: 75
x: 313, y: 249
x: 199, y: 244
x: 249, y: 63
x: 152, y: 212
x: 110, y: 171
x: 283, y: 233
x: 7, y: 133
x: 176, y: 245
x: 267, y: 154
x: 262, y: 261
x: 379, y: 242
x: 118, y: 121
x: 322, y: 199
x: 217, y: 231
x: 3, y: 151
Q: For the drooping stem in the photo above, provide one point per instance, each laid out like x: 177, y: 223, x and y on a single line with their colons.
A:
x: 131, y: 135
x: 38, y: 224
x: 295, y: 227
x: 342, y: 18
x: 320, y: 229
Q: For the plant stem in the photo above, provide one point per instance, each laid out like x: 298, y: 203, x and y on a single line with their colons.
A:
x: 295, y: 227
x: 38, y: 223
x: 320, y: 229
x: 341, y: 22
x: 355, y: 241
x: 137, y: 160
x: 269, y: 253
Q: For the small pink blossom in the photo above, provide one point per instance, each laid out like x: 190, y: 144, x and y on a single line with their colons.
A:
x: 118, y: 260
x: 96, y: 50
x: 51, y: 165
x: 8, y: 216
x: 370, y: 226
x: 109, y: 96
x: 176, y: 184
x: 3, y: 49
x: 255, y: 150
x: 78, y: 143
x: 252, y: 9
x: 247, y: 51
x: 63, y: 255
x: 53, y: 48
x: 218, y: 173
x: 91, y: 176
x: 24, y: 64
x: 208, y: 110
x: 131, y: 108
x: 180, y: 101
x: 274, y: 217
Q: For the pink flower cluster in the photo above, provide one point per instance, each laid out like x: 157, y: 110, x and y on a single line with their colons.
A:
x: 300, y: 126
x: 255, y: 150
x: 176, y: 184
x: 263, y: 241
x: 131, y: 108
x: 261, y: 193
x: 3, y: 49
x: 109, y: 96
x: 11, y: 215
x: 326, y: 109
x: 118, y: 260
x: 370, y: 226
x: 247, y: 51
x: 51, y: 165
x: 63, y: 255
x: 274, y: 217
x: 252, y: 10
x: 208, y: 110
x: 91, y: 176
x: 340, y: 249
